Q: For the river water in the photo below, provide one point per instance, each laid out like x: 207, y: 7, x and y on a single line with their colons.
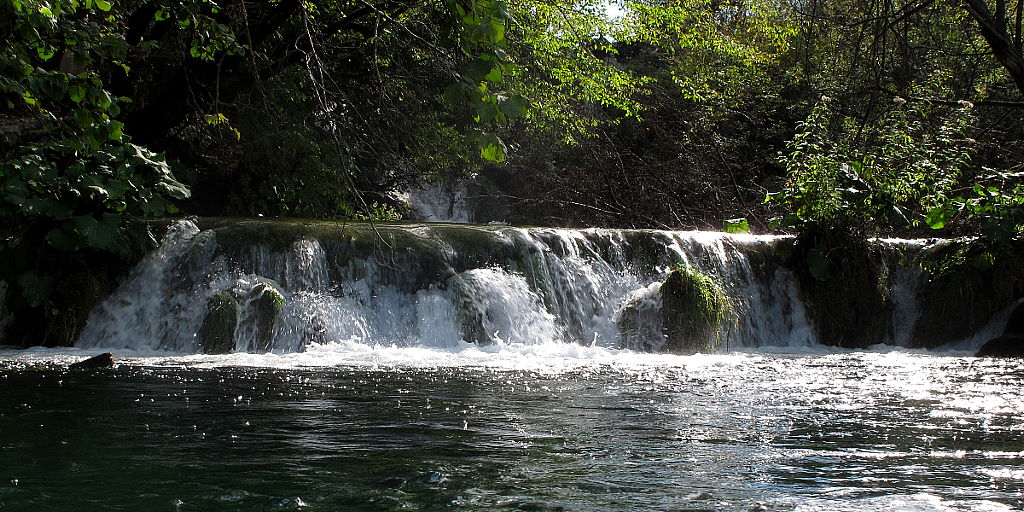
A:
x: 542, y: 427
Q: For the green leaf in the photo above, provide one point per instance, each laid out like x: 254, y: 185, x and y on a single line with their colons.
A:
x: 77, y: 92
x: 456, y: 93
x: 485, y: 111
x: 938, y: 217
x: 481, y: 69
x: 736, y: 226
x: 57, y: 238
x: 116, y: 130
x: 492, y: 148
x: 104, y: 234
x: 514, y: 106
x: 103, y: 5
x: 817, y: 263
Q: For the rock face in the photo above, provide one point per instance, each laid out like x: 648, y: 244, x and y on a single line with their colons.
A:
x: 217, y: 334
x: 969, y: 282
x: 842, y: 287
x: 1011, y: 343
x: 694, y: 311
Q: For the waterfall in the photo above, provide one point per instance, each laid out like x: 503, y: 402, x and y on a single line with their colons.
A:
x: 283, y: 286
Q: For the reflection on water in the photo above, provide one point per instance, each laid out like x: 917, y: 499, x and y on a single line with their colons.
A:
x: 609, y: 431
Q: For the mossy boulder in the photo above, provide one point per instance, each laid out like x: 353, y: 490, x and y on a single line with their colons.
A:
x: 217, y: 333
x: 843, y: 285
x: 266, y: 302
x: 695, y: 310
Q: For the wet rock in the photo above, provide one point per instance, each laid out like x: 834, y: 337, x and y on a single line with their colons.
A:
x: 966, y: 289
x: 639, y: 321
x: 694, y: 311
x: 842, y: 282
x: 267, y: 303
x: 1011, y: 343
x: 1015, y: 323
x: 217, y: 334
x: 105, y: 360
x: 1003, y: 346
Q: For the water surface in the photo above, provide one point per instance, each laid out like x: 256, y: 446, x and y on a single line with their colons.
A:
x: 533, y: 428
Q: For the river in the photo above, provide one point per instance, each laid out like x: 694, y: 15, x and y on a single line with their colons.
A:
x: 539, y: 427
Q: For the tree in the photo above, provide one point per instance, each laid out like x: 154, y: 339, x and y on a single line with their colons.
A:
x: 1003, y: 38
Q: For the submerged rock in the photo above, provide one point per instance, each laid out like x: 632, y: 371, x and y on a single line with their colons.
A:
x: 694, y: 311
x: 104, y: 360
x: 217, y: 334
x: 1003, y: 346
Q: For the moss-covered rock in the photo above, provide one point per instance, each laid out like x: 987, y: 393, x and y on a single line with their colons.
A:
x: 217, y: 333
x: 267, y: 303
x: 843, y: 286
x: 694, y: 310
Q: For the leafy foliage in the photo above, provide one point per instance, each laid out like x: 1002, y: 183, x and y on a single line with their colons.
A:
x: 893, y: 175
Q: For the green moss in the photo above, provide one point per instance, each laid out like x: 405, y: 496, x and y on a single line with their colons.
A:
x: 217, y: 333
x: 268, y: 303
x: 843, y: 286
x: 695, y: 311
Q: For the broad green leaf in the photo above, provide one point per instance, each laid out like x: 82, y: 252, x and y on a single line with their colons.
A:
x: 817, y: 263
x: 736, y: 226
x: 57, y: 238
x: 104, y: 234
x: 514, y: 106
x: 491, y: 147
x: 938, y: 217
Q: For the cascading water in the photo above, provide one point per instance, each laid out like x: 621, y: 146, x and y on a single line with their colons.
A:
x: 441, y: 285
x: 480, y: 368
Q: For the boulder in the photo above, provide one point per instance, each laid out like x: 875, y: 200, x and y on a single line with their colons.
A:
x: 695, y: 310
x: 104, y: 360
x: 267, y: 302
x: 217, y: 334
x: 1003, y: 346
x: 1011, y: 343
x: 1015, y: 323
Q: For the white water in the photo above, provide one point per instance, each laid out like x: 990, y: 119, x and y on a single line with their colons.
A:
x: 562, y: 289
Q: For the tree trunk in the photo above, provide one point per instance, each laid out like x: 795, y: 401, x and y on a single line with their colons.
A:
x: 993, y: 28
